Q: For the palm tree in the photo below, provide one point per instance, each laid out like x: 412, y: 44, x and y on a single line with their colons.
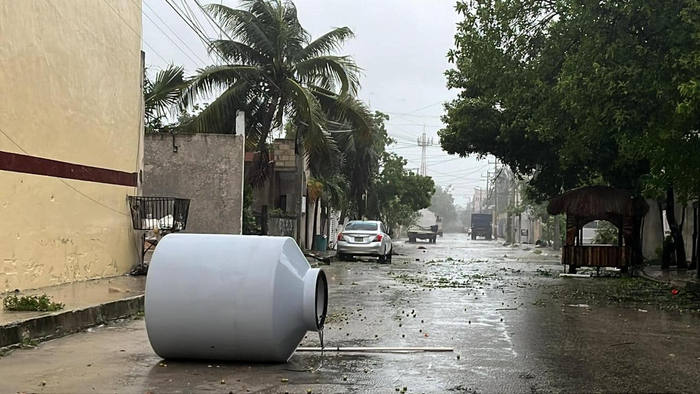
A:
x: 274, y: 70
x: 314, y: 190
x: 161, y: 94
x: 361, y: 153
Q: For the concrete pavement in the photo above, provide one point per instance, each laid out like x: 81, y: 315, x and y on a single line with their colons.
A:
x: 515, y: 325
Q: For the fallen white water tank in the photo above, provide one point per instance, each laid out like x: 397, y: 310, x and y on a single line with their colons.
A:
x: 231, y: 297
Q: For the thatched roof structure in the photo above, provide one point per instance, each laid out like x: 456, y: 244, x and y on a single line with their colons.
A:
x: 593, y: 202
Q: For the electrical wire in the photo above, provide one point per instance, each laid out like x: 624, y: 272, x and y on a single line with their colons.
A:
x: 426, y: 107
x: 172, y: 31
x: 134, y: 30
x: 170, y: 39
x: 64, y: 182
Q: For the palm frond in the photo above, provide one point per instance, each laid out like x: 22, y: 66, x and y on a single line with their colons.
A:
x: 325, y: 44
x: 296, y: 36
x: 346, y: 109
x: 238, y: 52
x: 329, y: 70
x: 307, y: 111
x: 164, y: 91
x: 214, y: 79
x: 245, y: 26
x: 220, y: 116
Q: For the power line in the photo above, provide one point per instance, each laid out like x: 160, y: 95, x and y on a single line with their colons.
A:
x: 427, y: 106
x: 415, y: 124
x: 221, y: 29
x: 194, y: 15
x: 172, y: 31
x: 408, y: 115
x: 63, y: 181
x: 189, y: 24
x: 134, y: 30
x: 168, y: 37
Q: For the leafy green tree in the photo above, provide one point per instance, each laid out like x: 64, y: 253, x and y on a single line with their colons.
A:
x: 274, y: 70
x: 578, y: 93
x: 443, y: 204
x: 250, y: 225
x: 400, y: 193
x: 606, y: 233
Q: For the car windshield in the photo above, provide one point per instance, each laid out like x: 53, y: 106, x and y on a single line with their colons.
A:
x: 362, y: 226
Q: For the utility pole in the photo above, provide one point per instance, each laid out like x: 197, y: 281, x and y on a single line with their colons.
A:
x: 424, y: 143
x: 495, y: 194
x: 510, y: 237
x: 488, y: 183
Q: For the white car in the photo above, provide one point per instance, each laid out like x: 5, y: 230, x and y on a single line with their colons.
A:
x: 365, y: 238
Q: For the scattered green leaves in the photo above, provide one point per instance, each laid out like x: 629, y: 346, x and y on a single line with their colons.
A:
x: 37, y: 303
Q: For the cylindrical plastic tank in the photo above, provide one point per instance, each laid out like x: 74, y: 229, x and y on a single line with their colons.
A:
x: 231, y: 297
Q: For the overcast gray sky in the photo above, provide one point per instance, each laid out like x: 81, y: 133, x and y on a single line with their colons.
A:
x: 400, y: 44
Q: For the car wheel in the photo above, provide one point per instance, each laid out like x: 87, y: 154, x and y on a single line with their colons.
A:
x: 382, y: 259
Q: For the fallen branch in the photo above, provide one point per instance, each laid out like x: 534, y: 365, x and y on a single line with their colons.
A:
x: 622, y: 344
x: 376, y: 349
x: 507, y: 309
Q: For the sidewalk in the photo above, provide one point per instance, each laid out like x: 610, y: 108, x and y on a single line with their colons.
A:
x: 87, y: 304
x: 322, y: 256
x: 679, y: 277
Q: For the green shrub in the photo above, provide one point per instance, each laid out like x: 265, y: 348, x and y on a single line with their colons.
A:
x: 38, y: 303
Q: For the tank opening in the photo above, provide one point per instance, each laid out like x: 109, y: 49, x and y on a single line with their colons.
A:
x: 321, y: 299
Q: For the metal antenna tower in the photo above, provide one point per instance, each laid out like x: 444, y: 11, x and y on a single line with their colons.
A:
x: 424, y: 143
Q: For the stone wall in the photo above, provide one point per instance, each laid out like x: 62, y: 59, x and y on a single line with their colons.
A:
x: 284, y: 154
x: 207, y: 169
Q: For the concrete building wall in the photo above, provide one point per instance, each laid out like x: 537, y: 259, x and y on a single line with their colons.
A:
x: 70, y: 91
x: 207, y: 169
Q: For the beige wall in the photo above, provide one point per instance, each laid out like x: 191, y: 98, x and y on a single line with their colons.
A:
x: 70, y: 88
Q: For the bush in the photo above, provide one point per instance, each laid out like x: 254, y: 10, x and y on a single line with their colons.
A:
x: 41, y: 303
x: 606, y: 234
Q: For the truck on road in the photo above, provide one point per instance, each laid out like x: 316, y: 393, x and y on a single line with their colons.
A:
x: 428, y: 226
x: 481, y: 225
x: 417, y: 232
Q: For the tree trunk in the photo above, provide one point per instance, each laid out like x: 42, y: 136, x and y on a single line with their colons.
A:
x: 509, y: 229
x: 306, y: 224
x: 676, y: 232
x: 637, y: 228
x: 557, y: 238
x: 343, y: 214
x: 326, y: 220
x: 315, y: 231
x: 665, y: 260
x: 260, y: 165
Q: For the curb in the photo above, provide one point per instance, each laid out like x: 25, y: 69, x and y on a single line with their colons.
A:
x: 58, y: 324
x: 678, y: 283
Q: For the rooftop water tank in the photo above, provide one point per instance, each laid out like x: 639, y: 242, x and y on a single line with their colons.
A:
x: 231, y: 297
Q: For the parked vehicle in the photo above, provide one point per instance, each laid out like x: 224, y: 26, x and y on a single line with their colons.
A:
x: 365, y: 238
x: 482, y: 225
x: 438, y: 221
x: 418, y: 232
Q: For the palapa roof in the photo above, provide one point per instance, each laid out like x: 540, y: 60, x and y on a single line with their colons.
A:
x: 593, y: 202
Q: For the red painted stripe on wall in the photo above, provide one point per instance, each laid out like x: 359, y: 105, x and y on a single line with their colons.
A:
x: 16, y: 162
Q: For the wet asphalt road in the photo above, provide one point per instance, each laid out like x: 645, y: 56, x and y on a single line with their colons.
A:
x: 515, y: 327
